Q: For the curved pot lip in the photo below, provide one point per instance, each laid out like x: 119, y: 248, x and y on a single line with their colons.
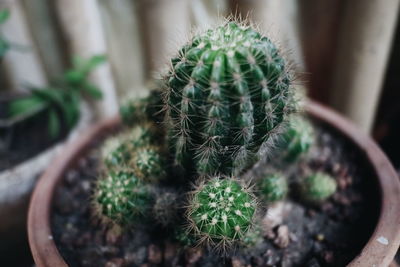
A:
x: 379, y: 250
x: 17, y: 178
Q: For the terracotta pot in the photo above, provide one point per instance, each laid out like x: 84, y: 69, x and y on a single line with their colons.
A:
x: 18, y: 181
x: 379, y: 251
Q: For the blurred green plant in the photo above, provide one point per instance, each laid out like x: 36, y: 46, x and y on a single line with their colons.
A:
x: 4, y: 44
x: 62, y: 98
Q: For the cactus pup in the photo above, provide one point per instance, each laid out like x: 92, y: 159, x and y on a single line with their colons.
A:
x: 228, y: 95
x: 221, y: 211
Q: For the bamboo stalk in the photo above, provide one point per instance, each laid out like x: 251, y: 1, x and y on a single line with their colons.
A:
x: 319, y: 36
x: 365, y: 40
x: 22, y: 66
x: 81, y: 24
x: 125, y: 48
x: 165, y: 26
x: 42, y: 25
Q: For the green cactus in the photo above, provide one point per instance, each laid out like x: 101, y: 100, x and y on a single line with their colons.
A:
x: 229, y: 92
x: 122, y: 198
x: 118, y: 150
x: 298, y: 138
x: 148, y: 163
x: 142, y: 109
x: 318, y: 187
x: 274, y: 187
x: 221, y: 211
x: 113, y: 152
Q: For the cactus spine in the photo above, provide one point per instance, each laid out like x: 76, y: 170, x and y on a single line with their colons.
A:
x: 228, y: 95
x: 221, y: 211
x: 122, y: 198
x: 148, y: 163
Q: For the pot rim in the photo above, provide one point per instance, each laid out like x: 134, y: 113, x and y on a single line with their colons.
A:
x: 378, y: 251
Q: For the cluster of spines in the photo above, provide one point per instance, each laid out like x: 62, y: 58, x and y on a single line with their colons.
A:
x: 148, y: 163
x: 228, y: 94
x: 221, y: 211
x: 122, y: 198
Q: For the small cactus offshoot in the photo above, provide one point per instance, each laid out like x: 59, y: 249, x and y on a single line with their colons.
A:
x: 122, y: 198
x: 318, y: 187
x: 117, y: 151
x: 298, y: 138
x: 228, y: 93
x: 221, y: 211
x: 273, y: 187
x: 142, y: 109
x: 148, y: 163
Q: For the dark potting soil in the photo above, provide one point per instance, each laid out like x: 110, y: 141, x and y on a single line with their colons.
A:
x: 25, y: 139
x: 293, y: 233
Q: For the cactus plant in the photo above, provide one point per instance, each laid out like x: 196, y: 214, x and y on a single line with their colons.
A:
x: 274, y: 187
x: 142, y: 109
x: 318, y: 187
x: 117, y: 151
x: 228, y: 95
x: 298, y: 138
x: 221, y: 211
x: 122, y: 198
x: 148, y: 163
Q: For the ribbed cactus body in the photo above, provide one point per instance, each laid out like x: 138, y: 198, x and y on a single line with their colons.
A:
x: 221, y: 211
x: 122, y: 197
x: 228, y: 94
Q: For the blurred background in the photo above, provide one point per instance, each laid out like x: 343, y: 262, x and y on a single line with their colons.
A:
x: 98, y: 53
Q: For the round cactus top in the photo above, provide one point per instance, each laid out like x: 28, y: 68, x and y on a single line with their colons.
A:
x: 222, y: 209
x: 229, y: 37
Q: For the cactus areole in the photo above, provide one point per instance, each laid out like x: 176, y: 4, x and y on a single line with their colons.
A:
x: 228, y: 94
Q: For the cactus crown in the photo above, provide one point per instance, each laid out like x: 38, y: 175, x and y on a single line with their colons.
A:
x: 228, y: 95
x: 221, y: 211
x: 122, y: 198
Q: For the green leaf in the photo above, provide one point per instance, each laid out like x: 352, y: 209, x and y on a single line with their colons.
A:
x: 70, y: 109
x: 50, y: 95
x: 95, y: 61
x: 74, y: 77
x: 53, y: 123
x: 24, y: 106
x: 4, y: 47
x: 4, y: 15
x: 92, y: 90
